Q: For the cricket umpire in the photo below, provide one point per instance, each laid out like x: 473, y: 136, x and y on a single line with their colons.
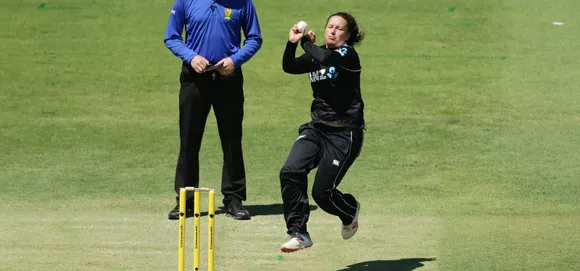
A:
x: 212, y: 42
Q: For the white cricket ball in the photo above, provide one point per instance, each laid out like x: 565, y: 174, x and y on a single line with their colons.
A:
x: 302, y: 25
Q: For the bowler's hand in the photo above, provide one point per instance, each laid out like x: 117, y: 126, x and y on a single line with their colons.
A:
x: 295, y: 35
x: 198, y: 63
x: 312, y: 36
x: 228, y: 66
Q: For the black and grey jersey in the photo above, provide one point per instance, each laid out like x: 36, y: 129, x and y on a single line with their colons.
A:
x: 334, y: 75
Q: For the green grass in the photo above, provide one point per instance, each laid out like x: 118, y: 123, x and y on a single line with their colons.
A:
x: 470, y: 159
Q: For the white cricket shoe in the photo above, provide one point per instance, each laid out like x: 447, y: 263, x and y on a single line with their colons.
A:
x: 349, y: 230
x: 296, y: 242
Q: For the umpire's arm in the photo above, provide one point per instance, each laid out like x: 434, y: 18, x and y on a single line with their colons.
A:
x: 173, y: 40
x: 253, y: 34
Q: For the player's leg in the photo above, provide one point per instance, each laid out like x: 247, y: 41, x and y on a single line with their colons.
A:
x: 340, y: 152
x: 228, y: 106
x: 303, y: 157
x: 194, y: 106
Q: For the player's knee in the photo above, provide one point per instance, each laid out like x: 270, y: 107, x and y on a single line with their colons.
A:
x: 319, y: 195
x: 288, y: 175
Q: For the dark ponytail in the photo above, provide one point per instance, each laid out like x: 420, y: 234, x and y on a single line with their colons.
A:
x: 356, y: 32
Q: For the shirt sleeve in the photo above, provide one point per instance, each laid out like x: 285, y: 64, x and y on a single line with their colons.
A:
x: 253, y: 34
x: 173, y: 40
x: 293, y: 65
x: 340, y: 57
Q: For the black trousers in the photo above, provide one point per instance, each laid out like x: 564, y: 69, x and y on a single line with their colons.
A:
x: 331, y: 149
x: 198, y: 93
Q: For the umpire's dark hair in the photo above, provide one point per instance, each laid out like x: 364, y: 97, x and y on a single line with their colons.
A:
x: 357, y: 34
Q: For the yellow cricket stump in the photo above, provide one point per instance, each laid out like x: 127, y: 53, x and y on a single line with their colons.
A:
x: 182, y: 217
x: 197, y: 228
x: 211, y: 230
x: 197, y: 232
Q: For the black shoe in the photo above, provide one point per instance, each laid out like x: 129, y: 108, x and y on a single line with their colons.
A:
x: 236, y: 210
x: 174, y: 214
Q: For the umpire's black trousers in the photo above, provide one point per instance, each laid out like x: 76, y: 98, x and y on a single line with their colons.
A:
x: 332, y: 150
x: 198, y: 93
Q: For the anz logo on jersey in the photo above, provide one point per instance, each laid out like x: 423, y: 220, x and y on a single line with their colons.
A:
x: 342, y: 51
x: 323, y: 74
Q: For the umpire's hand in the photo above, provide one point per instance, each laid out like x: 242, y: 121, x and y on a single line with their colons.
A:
x: 198, y: 63
x: 228, y: 66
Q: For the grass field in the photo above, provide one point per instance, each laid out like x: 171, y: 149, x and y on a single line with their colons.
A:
x: 471, y: 156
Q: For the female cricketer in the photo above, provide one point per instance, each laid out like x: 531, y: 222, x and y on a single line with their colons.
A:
x: 333, y: 139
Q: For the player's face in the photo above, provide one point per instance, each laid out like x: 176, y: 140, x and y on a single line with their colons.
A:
x: 336, y: 33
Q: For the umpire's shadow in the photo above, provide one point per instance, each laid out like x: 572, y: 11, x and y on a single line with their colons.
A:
x: 389, y: 265
x: 257, y: 210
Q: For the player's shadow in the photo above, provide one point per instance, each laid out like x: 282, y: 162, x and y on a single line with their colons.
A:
x: 257, y: 210
x: 389, y: 265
